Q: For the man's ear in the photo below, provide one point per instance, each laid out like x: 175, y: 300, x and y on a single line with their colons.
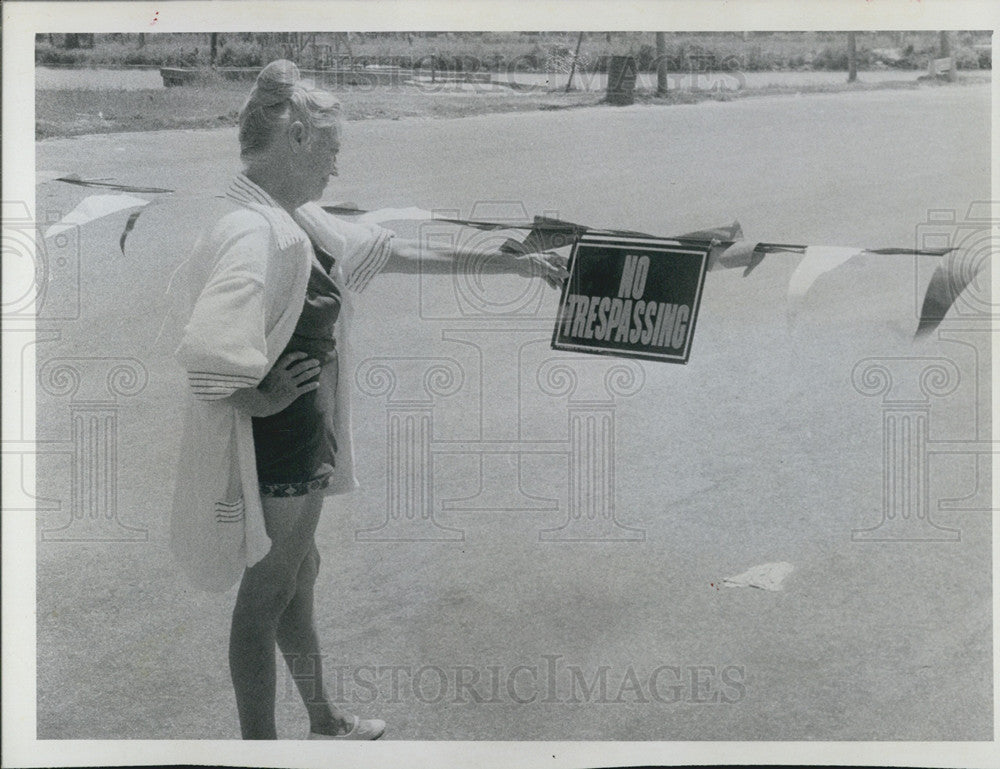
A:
x: 297, y: 134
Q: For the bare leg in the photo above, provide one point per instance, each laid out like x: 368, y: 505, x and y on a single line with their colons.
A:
x: 299, y: 642
x: 265, y: 592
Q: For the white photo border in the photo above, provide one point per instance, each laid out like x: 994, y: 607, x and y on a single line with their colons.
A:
x: 23, y: 19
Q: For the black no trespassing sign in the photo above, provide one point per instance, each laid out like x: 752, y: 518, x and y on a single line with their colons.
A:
x: 632, y: 297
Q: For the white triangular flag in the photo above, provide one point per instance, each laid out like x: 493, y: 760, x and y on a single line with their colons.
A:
x: 818, y: 260
x: 94, y: 207
x: 411, y: 214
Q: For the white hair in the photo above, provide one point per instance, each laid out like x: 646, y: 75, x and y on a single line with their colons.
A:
x: 279, y: 97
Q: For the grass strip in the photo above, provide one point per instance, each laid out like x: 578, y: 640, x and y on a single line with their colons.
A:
x: 70, y: 112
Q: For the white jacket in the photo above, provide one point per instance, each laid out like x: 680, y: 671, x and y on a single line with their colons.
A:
x: 255, y: 266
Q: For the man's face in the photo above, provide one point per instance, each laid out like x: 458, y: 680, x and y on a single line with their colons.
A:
x: 321, y: 158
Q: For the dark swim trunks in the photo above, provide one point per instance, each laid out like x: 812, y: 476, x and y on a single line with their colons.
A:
x: 295, y: 448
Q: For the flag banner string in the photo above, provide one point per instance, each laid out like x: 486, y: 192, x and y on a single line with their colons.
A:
x: 728, y: 248
x: 541, y: 225
x: 105, y: 184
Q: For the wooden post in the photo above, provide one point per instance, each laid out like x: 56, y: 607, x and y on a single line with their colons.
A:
x: 946, y: 54
x: 661, y: 64
x: 852, y: 57
x: 621, y: 80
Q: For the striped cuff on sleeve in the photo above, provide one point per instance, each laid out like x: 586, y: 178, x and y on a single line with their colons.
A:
x: 208, y: 386
x: 372, y: 262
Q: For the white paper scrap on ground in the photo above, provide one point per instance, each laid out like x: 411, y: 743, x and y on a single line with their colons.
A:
x: 767, y: 576
x: 94, y: 207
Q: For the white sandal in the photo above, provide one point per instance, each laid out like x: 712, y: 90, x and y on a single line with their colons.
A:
x: 363, y: 729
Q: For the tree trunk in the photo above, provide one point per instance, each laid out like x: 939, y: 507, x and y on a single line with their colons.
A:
x: 661, y: 64
x: 213, y: 48
x: 945, y: 44
x: 852, y: 57
x: 572, y: 69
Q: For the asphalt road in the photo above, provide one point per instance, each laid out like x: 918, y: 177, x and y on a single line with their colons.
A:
x: 761, y: 449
